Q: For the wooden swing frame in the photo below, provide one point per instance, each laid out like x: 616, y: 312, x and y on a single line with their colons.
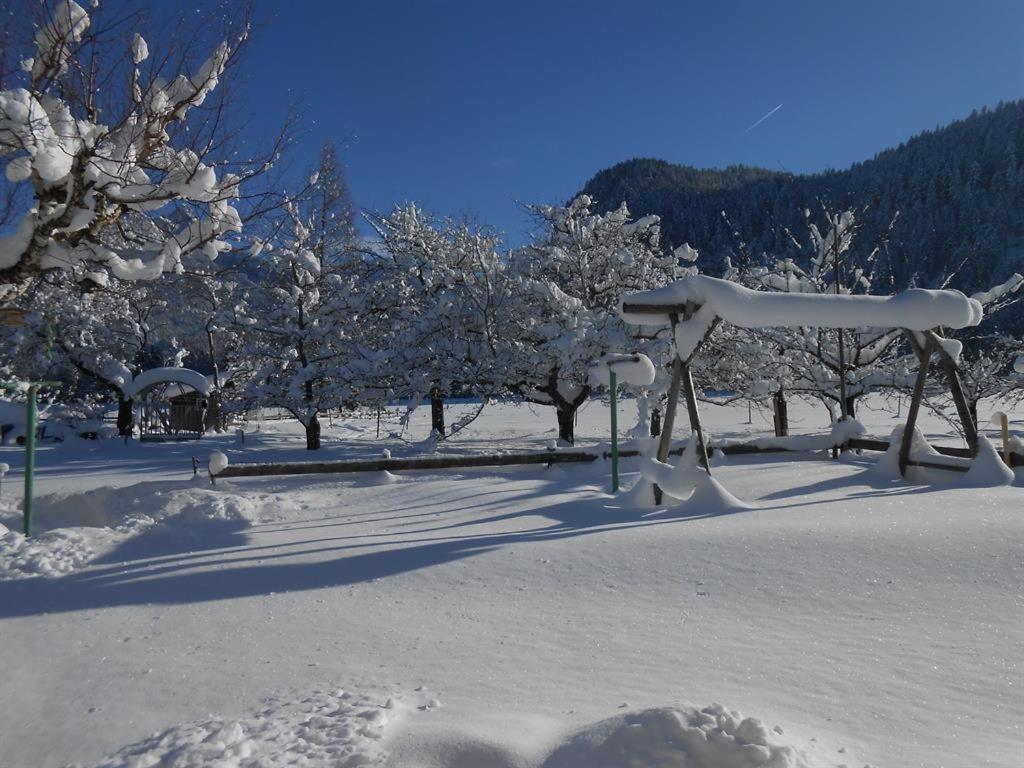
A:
x: 925, y: 345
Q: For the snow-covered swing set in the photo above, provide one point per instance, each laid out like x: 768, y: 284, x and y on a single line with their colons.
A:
x: 692, y: 308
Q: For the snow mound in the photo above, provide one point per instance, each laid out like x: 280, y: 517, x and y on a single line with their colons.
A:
x: 888, y: 466
x: 51, y: 554
x: 68, y: 528
x: 697, y: 491
x: 987, y: 469
x: 712, y: 737
x: 336, y: 730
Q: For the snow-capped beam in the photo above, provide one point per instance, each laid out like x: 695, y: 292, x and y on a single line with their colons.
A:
x: 916, y: 309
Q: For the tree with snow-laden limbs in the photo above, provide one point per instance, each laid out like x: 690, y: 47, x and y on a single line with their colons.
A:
x: 300, y: 316
x: 116, y: 182
x: 569, y: 281
x: 100, y: 341
x: 438, y: 294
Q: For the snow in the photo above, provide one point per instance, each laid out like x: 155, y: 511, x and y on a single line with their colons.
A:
x: 631, y: 369
x: 217, y: 464
x: 326, y: 729
x: 987, y: 467
x: 154, y: 376
x: 514, y: 617
x: 1018, y: 364
x: 12, y: 246
x: 842, y: 432
x: 140, y: 50
x: 914, y: 309
x: 711, y: 737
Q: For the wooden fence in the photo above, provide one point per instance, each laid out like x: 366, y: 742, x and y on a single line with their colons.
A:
x: 547, y: 458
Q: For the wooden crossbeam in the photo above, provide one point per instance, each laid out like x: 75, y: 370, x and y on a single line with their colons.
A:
x: 668, y: 310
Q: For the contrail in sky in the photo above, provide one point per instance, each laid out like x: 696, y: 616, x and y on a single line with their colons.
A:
x: 763, y: 119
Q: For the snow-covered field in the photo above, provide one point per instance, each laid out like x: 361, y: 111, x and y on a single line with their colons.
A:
x: 507, y: 617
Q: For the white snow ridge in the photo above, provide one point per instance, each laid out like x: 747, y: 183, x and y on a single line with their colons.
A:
x: 712, y: 737
x: 335, y: 730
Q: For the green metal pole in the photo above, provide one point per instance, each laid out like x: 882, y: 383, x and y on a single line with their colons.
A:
x: 30, y: 457
x: 613, y: 386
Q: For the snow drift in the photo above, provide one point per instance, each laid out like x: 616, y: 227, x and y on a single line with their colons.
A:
x: 712, y: 737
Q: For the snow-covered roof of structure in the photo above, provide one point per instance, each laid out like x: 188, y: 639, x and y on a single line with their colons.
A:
x: 916, y: 309
x: 154, y: 376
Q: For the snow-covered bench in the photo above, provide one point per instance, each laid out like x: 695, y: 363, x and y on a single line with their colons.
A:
x: 693, y: 306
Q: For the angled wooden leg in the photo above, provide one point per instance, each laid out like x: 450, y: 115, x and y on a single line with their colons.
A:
x: 695, y: 426
x: 924, y: 357
x: 952, y: 373
x: 665, y: 441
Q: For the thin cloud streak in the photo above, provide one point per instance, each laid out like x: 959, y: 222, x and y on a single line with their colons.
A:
x: 763, y: 119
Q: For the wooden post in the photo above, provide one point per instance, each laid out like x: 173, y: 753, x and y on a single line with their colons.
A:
x: 952, y: 373
x: 691, y: 401
x: 1003, y: 422
x: 780, y: 412
x: 665, y: 443
x: 924, y: 357
x: 695, y: 426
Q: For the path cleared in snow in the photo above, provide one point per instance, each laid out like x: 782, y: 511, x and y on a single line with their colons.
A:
x: 544, y: 623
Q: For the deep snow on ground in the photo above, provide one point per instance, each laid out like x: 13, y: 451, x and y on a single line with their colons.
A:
x: 507, y: 617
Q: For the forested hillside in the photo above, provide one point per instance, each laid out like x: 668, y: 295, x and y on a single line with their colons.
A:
x: 959, y: 192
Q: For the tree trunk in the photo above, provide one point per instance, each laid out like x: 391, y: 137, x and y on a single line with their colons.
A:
x: 566, y: 414
x: 214, y: 413
x: 313, y: 434
x: 656, y: 422
x: 781, y: 409
x: 437, y: 412
x: 125, y: 416
x: 851, y: 406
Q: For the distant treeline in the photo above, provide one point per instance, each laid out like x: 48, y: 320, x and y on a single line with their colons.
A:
x: 959, y: 191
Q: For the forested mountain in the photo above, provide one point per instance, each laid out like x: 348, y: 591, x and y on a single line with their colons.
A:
x: 959, y: 192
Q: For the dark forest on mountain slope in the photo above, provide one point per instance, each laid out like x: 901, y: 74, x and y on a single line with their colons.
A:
x: 959, y: 192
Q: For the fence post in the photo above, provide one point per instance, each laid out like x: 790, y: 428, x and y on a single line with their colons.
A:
x: 30, y: 457
x: 613, y: 386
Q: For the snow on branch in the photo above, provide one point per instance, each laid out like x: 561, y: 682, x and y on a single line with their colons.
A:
x: 96, y: 186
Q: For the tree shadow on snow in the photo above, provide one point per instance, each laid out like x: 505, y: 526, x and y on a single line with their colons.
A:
x: 154, y: 568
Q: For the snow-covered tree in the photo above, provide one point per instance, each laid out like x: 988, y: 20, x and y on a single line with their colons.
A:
x: 438, y: 293
x: 98, y: 342
x: 119, y: 182
x: 569, y: 282
x: 301, y: 316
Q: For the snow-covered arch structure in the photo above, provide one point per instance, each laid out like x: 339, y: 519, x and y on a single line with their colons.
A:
x: 693, y: 306
x: 176, y: 398
x: 155, y: 377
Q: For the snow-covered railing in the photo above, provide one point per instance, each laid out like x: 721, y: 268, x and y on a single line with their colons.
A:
x: 800, y: 444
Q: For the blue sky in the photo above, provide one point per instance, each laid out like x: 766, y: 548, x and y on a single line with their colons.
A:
x: 472, y: 106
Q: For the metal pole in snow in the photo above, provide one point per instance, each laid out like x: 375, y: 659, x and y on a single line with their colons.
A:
x: 613, y: 386
x: 30, y: 457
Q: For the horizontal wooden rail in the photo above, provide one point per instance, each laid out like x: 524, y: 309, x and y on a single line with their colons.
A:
x: 546, y: 458
x: 422, y: 462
